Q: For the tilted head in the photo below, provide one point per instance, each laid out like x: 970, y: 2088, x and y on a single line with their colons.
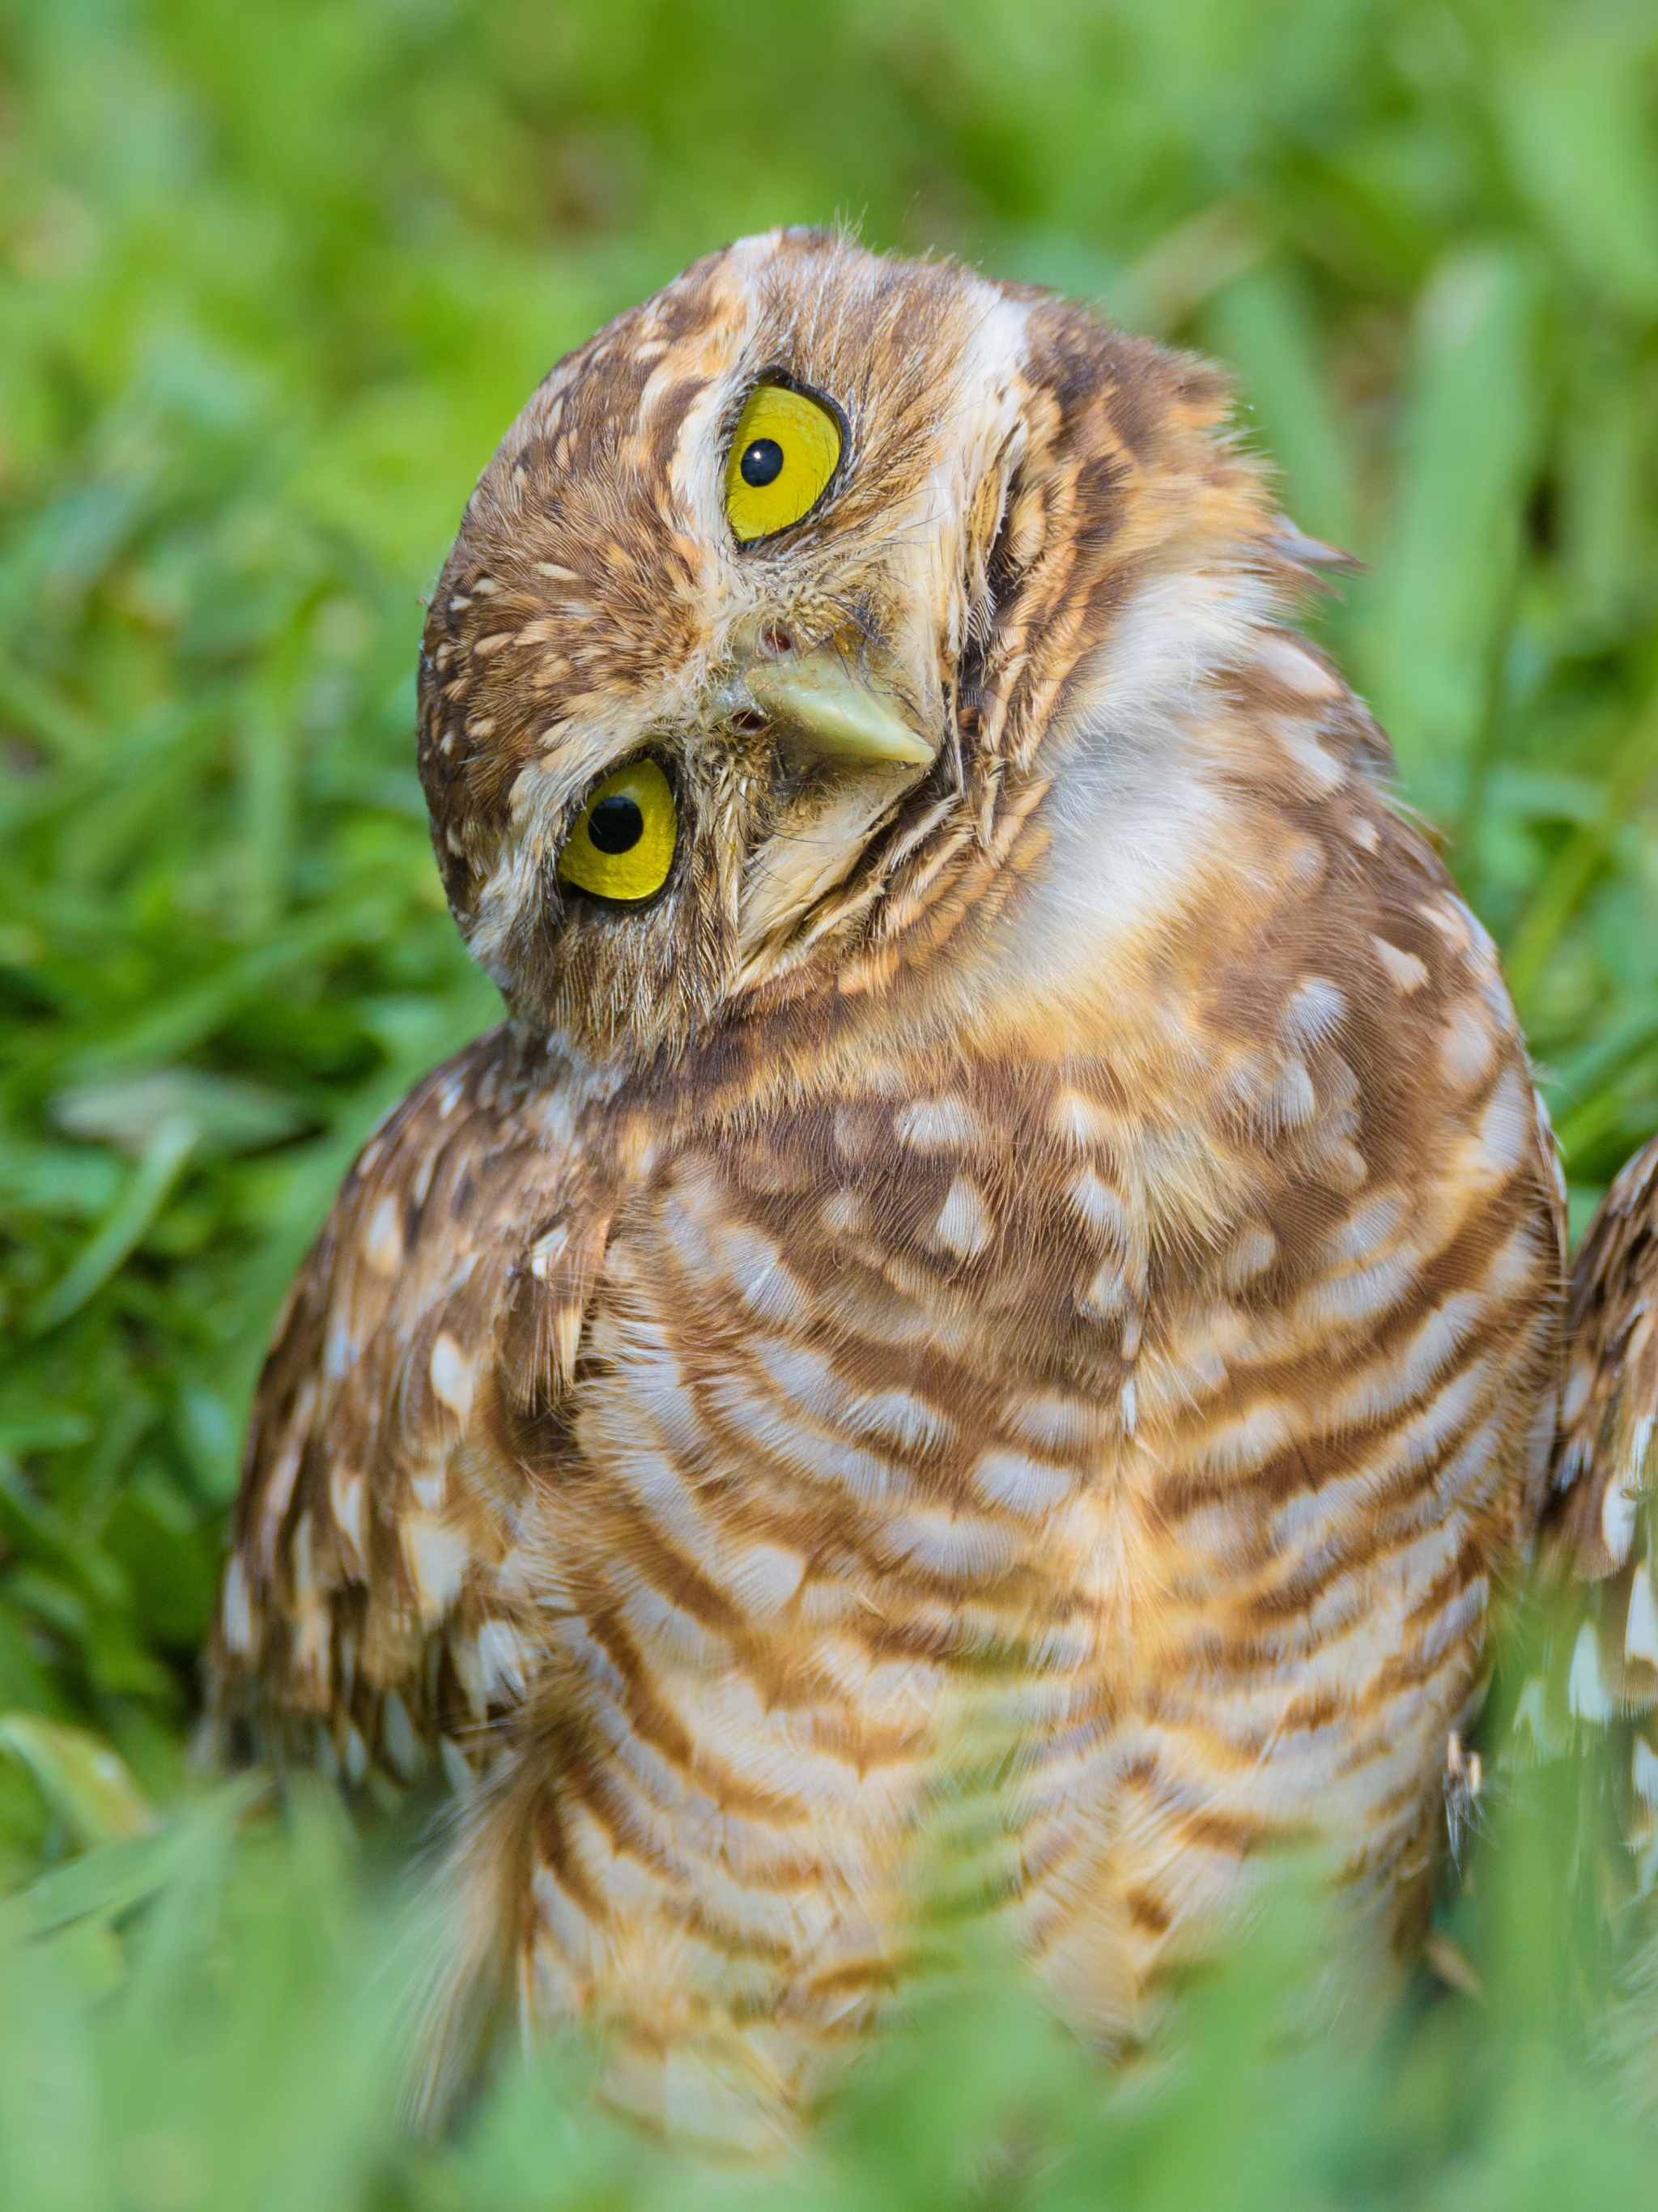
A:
x: 742, y: 663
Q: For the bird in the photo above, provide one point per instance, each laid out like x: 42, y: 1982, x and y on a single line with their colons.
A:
x: 1594, y: 1685
x: 1008, y: 1218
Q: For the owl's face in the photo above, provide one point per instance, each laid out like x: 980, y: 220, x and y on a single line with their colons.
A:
x: 762, y: 617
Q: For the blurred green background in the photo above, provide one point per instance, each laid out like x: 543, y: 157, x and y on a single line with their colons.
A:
x: 274, y: 277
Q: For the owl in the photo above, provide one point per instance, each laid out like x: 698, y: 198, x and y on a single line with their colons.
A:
x: 1009, y: 1209
x: 1598, y: 1678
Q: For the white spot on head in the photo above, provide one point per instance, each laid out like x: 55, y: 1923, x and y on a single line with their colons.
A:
x: 1408, y: 973
x: 451, y: 1375
x: 1644, y: 1771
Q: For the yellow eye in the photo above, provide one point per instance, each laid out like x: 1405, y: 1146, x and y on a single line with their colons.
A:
x: 784, y: 452
x: 622, y: 844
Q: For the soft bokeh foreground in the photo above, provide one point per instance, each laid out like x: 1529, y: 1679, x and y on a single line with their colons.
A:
x: 235, y: 2050
x: 273, y: 278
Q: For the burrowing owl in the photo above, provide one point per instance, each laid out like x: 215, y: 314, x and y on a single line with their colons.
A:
x: 1600, y: 1531
x: 1010, y: 1180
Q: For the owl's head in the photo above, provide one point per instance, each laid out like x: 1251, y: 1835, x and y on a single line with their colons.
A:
x: 749, y: 670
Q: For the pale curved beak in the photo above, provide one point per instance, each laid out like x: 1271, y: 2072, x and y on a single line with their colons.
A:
x: 830, y: 707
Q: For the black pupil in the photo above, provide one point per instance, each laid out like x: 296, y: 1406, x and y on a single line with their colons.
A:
x: 761, y: 463
x: 616, y: 825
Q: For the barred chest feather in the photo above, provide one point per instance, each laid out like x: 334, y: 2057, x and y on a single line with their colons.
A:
x: 1145, y: 1424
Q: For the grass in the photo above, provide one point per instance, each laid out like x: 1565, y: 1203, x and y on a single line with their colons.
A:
x: 273, y: 276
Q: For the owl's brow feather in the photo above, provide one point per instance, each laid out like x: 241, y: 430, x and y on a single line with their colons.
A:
x: 802, y: 837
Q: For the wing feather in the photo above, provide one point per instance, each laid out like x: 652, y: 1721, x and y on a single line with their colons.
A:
x: 1612, y: 1379
x: 1601, y: 1527
x: 375, y: 1609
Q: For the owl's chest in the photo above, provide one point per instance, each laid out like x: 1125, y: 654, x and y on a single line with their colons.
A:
x: 858, y: 1407
x: 1009, y: 1410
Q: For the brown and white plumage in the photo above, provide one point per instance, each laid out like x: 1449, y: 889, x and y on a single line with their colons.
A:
x: 1065, y: 1230
x: 1601, y: 1686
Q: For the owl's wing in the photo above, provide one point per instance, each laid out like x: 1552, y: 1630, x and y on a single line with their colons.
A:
x: 375, y: 1608
x: 1603, y: 1528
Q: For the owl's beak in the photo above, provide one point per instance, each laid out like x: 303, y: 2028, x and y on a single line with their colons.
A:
x: 833, y: 707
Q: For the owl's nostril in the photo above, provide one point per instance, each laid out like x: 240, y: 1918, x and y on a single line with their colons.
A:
x: 748, y: 722
x: 775, y: 638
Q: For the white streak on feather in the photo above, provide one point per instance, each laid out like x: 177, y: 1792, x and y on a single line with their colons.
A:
x: 235, y: 1609
x: 1641, y: 1623
x: 1586, y: 1695
x: 383, y: 1244
x: 963, y: 1225
x: 451, y: 1375
x: 1407, y: 972
x: 438, y: 1559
